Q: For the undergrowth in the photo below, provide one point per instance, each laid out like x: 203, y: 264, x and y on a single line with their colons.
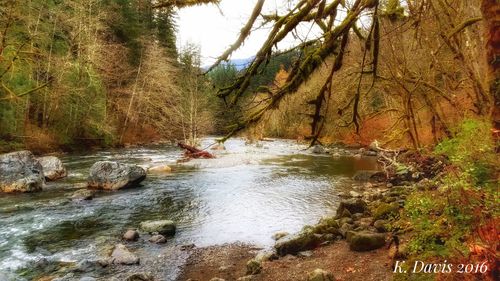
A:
x: 454, y: 218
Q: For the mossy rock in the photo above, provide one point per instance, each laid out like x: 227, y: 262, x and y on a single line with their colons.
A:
x: 365, y: 241
x: 324, y: 228
x: 292, y: 244
x: 344, y: 229
x: 381, y: 225
x: 164, y: 227
x: 320, y: 275
x: 345, y: 220
x: 329, y: 221
x: 390, y: 199
x: 386, y: 210
x: 253, y: 267
x: 399, y: 190
x: 345, y: 214
x: 353, y: 206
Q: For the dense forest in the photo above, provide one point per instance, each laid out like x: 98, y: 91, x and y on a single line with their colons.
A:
x: 109, y: 73
x: 103, y: 73
x: 414, y: 81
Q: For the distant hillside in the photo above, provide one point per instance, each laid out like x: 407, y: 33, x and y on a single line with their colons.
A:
x: 239, y: 63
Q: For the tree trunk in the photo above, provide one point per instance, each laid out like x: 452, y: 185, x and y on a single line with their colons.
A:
x: 491, y: 16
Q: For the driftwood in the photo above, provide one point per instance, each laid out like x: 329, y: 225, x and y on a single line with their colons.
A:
x: 387, y: 157
x: 193, y: 152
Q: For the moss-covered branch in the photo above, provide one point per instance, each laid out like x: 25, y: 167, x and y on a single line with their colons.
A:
x: 183, y: 3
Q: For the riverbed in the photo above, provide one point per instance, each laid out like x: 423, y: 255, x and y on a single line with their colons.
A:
x: 245, y: 195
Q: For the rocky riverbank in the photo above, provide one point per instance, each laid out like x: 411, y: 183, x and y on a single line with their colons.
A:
x: 360, y: 230
x: 361, y: 242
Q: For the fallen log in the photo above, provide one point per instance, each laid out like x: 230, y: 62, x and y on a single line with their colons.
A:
x: 193, y: 152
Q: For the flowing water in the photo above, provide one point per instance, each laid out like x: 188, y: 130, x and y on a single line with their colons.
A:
x: 245, y: 195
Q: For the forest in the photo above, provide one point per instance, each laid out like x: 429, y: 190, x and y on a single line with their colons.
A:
x: 414, y: 82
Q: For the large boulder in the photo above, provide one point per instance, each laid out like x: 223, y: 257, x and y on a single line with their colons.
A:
x: 302, y: 241
x: 366, y: 241
x: 113, y: 176
x: 53, y: 168
x: 20, y: 172
x: 121, y: 255
x: 320, y: 275
x: 164, y: 227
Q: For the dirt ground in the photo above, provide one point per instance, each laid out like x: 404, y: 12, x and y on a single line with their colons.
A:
x: 229, y: 262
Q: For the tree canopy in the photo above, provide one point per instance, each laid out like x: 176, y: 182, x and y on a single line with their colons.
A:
x: 342, y: 23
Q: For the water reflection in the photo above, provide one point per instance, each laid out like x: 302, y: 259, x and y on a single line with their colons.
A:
x: 247, y: 194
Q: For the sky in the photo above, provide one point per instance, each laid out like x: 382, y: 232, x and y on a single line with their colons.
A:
x: 216, y: 29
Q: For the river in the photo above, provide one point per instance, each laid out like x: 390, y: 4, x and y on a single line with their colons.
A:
x: 245, y: 195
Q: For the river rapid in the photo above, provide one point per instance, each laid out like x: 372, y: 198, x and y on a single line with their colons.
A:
x: 245, y: 195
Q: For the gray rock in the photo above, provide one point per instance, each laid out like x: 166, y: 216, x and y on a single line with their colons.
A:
x: 164, y: 227
x: 366, y: 241
x: 292, y: 244
x: 158, y: 239
x: 357, y: 216
x: 370, y: 153
x: 329, y: 237
x: 279, y: 235
x: 305, y: 254
x: 131, y: 235
x: 20, y: 172
x: 354, y: 205
x: 266, y: 256
x: 320, y: 275
x: 67, y: 277
x: 121, y: 255
x: 354, y: 194
x: 345, y: 213
x: 345, y: 220
x: 113, y: 176
x: 86, y: 278
x: 318, y: 149
x: 365, y: 175
x: 103, y: 262
x: 344, y: 229
x: 253, y: 267
x: 187, y: 247
x: 86, y: 266
x: 83, y: 194
x: 53, y: 168
x: 161, y: 169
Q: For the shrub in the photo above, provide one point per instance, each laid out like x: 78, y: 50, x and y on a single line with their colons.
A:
x: 451, y: 221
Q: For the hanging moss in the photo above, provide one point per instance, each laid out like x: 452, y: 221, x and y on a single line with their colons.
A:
x: 393, y: 10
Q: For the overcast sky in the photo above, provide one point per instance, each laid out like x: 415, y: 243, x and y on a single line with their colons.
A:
x: 214, y: 31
